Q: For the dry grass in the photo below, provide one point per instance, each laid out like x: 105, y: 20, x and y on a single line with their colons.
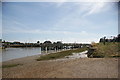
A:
x: 10, y: 65
x: 107, y: 50
x: 60, y: 54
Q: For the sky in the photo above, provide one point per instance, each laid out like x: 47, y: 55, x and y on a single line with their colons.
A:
x: 69, y: 22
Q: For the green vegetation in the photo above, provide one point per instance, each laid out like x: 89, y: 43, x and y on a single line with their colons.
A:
x: 60, y: 54
x: 10, y: 65
x: 110, y: 49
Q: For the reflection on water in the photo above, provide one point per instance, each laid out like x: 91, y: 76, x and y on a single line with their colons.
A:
x: 13, y: 53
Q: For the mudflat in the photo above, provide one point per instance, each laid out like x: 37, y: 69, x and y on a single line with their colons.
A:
x: 62, y: 68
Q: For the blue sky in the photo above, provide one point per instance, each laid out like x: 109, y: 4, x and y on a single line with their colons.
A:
x: 81, y: 22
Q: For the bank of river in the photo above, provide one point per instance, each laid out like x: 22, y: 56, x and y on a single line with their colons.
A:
x: 67, y: 68
x: 14, y: 53
x: 72, y: 67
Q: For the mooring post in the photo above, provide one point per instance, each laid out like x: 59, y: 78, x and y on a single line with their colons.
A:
x: 46, y: 49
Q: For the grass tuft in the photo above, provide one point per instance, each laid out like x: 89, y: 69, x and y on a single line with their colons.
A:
x: 110, y: 49
x: 10, y: 65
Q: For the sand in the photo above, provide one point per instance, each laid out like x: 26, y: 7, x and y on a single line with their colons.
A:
x: 62, y: 68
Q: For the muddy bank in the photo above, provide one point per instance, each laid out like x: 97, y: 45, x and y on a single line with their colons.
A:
x: 68, y: 68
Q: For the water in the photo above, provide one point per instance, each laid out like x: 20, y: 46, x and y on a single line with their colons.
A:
x: 13, y: 53
x: 83, y: 54
x: 78, y: 55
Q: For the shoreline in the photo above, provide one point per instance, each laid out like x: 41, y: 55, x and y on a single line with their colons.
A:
x: 71, y: 66
x: 34, y: 57
x: 62, y: 68
x: 42, y: 53
x: 21, y: 58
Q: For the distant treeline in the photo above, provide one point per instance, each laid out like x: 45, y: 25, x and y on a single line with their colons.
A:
x: 112, y: 39
x: 47, y: 45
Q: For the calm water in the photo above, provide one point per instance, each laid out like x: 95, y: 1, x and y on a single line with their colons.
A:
x: 13, y: 53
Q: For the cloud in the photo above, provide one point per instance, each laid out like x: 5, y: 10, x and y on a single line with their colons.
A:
x: 73, y: 23
x: 96, y: 7
x: 59, y: 4
x: 38, y: 31
x: 22, y: 30
x: 93, y: 8
x: 60, y: 0
x: 78, y: 13
x: 81, y: 36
